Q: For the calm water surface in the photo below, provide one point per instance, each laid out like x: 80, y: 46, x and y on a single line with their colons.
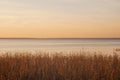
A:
x: 41, y: 43
x: 57, y: 44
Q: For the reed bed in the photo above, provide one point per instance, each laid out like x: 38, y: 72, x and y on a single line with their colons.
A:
x: 59, y: 67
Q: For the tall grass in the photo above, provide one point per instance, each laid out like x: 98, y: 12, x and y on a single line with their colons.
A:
x: 59, y: 67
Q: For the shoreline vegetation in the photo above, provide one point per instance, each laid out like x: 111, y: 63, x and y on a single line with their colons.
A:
x: 75, y: 66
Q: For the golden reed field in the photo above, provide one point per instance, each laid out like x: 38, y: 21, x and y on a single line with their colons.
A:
x: 28, y: 66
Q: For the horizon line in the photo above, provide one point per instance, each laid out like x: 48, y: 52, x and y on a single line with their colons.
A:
x: 59, y: 38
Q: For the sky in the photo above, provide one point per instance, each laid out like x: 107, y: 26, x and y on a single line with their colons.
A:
x: 59, y: 18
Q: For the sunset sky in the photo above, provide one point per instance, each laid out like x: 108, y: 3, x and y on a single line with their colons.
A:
x: 59, y: 18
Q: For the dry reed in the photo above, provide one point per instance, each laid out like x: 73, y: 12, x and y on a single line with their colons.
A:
x: 59, y: 67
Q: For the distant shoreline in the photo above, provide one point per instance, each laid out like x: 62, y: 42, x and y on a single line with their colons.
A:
x: 60, y: 38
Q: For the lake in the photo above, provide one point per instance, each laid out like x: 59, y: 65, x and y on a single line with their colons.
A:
x: 60, y: 44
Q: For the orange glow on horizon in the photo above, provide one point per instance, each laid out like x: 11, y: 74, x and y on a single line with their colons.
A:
x: 62, y: 20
